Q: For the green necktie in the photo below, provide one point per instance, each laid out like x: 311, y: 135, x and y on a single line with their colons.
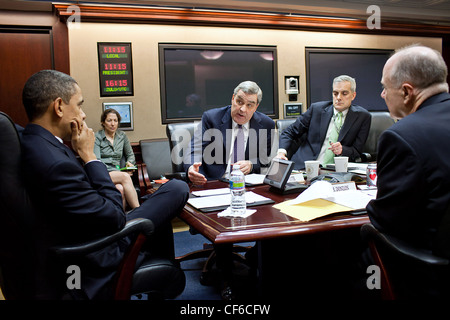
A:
x: 334, y: 134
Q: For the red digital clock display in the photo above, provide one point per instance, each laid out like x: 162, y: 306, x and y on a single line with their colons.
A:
x: 112, y: 49
x: 115, y: 69
x: 115, y: 66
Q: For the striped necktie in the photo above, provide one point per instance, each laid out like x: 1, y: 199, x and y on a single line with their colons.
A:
x: 334, y: 134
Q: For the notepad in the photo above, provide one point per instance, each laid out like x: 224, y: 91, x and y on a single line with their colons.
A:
x: 222, y: 201
x: 128, y: 168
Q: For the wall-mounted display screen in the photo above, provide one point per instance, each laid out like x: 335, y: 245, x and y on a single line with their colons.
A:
x: 115, y: 69
x: 196, y: 78
x: 365, y: 65
x: 125, y: 109
x: 292, y: 110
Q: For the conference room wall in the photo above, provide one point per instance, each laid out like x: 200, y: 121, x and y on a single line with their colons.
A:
x: 290, y: 45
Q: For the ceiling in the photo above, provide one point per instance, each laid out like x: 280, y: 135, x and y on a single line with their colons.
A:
x: 436, y: 12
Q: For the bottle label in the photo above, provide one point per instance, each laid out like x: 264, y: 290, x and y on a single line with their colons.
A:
x: 236, y: 185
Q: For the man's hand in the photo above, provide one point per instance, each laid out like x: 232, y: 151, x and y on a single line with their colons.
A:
x: 281, y: 155
x: 336, y: 148
x: 195, y: 176
x: 245, y: 166
x: 83, y: 140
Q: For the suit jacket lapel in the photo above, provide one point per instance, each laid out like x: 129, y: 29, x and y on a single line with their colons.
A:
x: 349, y: 120
x: 226, y: 134
x: 255, y: 124
x: 327, y: 114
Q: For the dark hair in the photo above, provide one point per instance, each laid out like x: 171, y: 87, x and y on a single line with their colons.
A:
x: 108, y: 111
x: 44, y: 87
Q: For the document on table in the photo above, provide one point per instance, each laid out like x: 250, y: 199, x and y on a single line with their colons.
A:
x: 221, y: 201
x: 211, y: 192
x: 323, y: 198
x: 252, y: 179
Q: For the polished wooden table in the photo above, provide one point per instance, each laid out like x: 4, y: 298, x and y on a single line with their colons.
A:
x: 325, y: 249
x: 266, y: 223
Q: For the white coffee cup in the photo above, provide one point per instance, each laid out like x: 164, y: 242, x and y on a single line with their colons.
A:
x: 341, y: 164
x: 312, y: 169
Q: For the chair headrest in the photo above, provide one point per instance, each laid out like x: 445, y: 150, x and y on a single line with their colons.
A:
x: 14, y: 199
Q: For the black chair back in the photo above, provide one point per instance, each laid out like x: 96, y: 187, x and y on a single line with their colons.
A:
x: 380, y: 122
x: 407, y: 271
x: 179, y: 135
x: 283, y: 124
x: 156, y: 156
x: 16, y: 218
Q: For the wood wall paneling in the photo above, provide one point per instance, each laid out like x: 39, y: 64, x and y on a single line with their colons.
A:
x: 23, y: 53
x: 29, y: 42
x: 246, y: 19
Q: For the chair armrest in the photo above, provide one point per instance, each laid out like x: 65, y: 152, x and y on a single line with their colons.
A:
x: 142, y: 186
x: 369, y: 232
x: 134, y: 226
x: 176, y: 175
x: 365, y: 157
x: 145, y: 176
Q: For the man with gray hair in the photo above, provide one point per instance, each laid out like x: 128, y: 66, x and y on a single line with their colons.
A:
x: 235, y: 134
x: 328, y: 128
x: 413, y: 160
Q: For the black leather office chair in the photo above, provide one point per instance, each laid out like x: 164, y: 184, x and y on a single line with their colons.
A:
x: 380, y: 122
x: 155, y: 161
x: 407, y: 272
x: 281, y: 125
x: 179, y: 135
x: 159, y: 278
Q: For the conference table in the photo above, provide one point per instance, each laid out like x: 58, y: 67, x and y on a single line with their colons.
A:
x: 326, y: 243
x: 266, y: 223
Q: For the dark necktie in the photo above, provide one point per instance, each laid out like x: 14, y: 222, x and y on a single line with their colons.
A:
x: 239, y: 147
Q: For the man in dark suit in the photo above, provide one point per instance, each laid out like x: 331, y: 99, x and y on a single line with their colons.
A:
x: 413, y: 160
x: 313, y: 130
x: 77, y: 202
x: 212, y: 147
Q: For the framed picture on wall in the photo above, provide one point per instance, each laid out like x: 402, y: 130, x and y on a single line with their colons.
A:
x: 125, y: 110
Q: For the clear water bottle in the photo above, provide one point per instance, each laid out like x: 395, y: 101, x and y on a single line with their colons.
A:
x: 237, y: 189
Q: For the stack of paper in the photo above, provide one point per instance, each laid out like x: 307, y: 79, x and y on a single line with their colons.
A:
x: 323, y: 198
x: 219, y: 199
